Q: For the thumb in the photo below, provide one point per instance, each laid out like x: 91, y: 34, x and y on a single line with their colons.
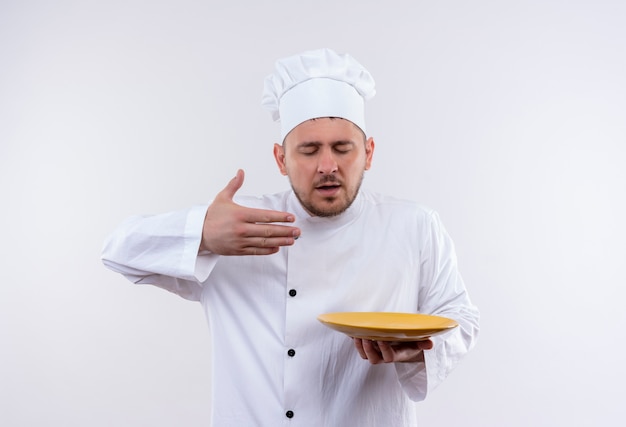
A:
x: 233, y: 185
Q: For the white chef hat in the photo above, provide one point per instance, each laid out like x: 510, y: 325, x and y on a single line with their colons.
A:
x: 317, y: 83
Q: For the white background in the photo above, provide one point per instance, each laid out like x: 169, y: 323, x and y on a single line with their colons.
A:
x: 507, y: 117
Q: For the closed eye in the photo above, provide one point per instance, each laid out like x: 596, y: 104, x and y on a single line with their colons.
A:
x: 343, y: 147
x: 308, y: 150
x: 311, y: 148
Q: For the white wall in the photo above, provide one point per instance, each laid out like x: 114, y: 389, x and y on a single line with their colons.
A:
x: 507, y: 117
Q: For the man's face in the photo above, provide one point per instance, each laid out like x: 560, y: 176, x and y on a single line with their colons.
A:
x: 325, y: 160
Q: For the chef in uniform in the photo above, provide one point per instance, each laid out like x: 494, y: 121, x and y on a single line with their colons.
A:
x: 263, y: 269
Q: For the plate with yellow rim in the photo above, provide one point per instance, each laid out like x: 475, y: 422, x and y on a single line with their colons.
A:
x: 387, y: 326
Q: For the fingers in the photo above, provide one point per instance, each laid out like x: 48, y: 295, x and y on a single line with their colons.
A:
x: 258, y: 251
x: 387, y: 352
x: 358, y: 344
x: 264, y: 245
x: 266, y: 216
x: 425, y: 345
x: 263, y: 239
x: 232, y: 229
x: 368, y: 350
x: 267, y: 234
x: 372, y: 350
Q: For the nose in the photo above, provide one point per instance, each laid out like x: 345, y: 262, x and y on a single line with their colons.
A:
x: 327, y: 163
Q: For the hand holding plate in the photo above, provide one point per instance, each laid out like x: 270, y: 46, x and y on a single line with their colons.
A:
x: 390, y: 352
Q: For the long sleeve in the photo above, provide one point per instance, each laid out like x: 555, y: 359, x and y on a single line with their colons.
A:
x: 161, y: 250
x: 268, y: 305
x: 442, y: 293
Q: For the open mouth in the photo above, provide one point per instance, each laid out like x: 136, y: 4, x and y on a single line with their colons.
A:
x: 328, y: 189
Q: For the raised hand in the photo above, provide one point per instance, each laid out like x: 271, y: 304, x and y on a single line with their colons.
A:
x: 231, y: 229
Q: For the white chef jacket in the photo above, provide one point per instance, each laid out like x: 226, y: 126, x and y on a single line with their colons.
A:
x: 274, y: 363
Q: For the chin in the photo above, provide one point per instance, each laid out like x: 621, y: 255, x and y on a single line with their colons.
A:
x: 324, y: 207
x: 330, y: 213
x: 328, y: 209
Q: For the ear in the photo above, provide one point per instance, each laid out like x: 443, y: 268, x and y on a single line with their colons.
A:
x: 369, y: 152
x: 279, y: 156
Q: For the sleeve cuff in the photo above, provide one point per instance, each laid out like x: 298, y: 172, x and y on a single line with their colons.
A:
x: 413, y: 378
x: 196, y: 265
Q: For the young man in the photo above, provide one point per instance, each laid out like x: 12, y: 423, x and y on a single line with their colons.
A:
x: 265, y: 268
